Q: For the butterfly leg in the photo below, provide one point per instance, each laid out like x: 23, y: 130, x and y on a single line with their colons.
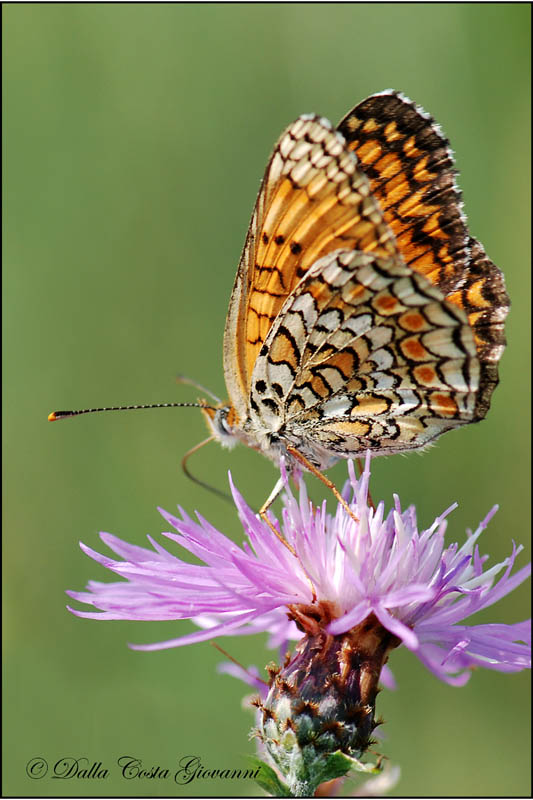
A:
x: 326, y: 481
x: 276, y: 491
x: 266, y: 505
x: 276, y: 533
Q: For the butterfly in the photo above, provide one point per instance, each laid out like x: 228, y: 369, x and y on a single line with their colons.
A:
x: 364, y: 316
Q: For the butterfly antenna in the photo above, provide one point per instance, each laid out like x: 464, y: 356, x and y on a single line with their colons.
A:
x: 224, y: 495
x: 64, y: 414
x: 189, y: 382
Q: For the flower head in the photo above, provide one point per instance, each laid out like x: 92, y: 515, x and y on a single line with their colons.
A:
x: 335, y: 572
x: 349, y: 587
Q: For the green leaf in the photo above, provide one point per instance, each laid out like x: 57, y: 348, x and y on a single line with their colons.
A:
x: 338, y: 764
x: 335, y: 766
x: 268, y: 779
x: 359, y: 766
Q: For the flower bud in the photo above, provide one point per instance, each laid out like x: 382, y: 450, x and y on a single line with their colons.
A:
x: 322, y: 702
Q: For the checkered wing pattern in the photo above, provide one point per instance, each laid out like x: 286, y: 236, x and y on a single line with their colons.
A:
x: 409, y: 164
x: 365, y: 354
x: 313, y: 199
x: 364, y: 315
x: 484, y: 299
x: 411, y: 171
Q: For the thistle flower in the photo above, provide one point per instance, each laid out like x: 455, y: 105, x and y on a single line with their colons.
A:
x: 349, y: 587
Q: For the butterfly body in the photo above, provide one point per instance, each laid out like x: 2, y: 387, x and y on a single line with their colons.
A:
x: 363, y: 315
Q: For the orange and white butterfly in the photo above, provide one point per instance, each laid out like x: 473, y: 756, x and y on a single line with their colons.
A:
x: 363, y: 316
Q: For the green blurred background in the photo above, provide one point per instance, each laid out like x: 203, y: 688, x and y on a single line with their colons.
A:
x: 135, y: 140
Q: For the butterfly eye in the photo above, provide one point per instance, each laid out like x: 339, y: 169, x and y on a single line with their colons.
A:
x: 222, y: 419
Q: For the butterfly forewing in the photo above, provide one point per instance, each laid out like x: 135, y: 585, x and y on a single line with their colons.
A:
x: 313, y: 200
x: 409, y: 164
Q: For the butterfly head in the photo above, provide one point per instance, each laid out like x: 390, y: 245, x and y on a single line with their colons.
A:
x: 223, y: 424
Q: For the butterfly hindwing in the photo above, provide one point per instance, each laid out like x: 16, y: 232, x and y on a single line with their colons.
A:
x: 368, y: 350
x: 484, y: 299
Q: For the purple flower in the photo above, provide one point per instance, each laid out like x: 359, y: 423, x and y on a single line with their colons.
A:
x: 333, y: 573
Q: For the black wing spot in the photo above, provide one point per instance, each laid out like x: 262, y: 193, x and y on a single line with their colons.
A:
x: 278, y: 388
x: 279, y: 239
x: 269, y: 403
x: 265, y: 238
x: 296, y: 248
x: 260, y: 386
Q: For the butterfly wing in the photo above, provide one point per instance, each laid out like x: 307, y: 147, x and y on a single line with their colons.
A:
x: 313, y: 199
x: 484, y: 299
x: 366, y: 353
x: 411, y: 171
